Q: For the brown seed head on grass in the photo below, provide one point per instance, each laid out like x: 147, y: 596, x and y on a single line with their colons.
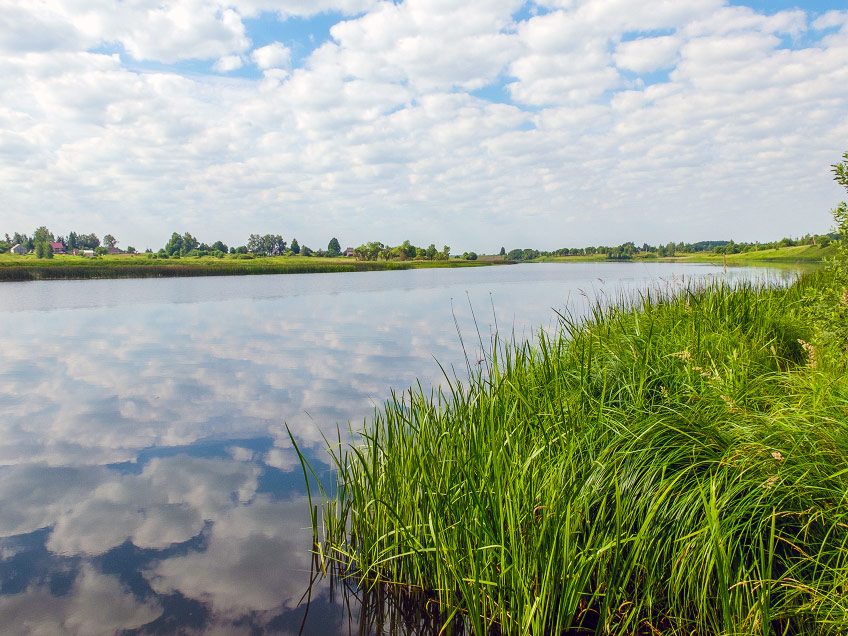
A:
x: 769, y: 483
x: 810, y: 350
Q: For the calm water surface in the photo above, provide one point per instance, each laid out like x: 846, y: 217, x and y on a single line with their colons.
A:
x: 147, y: 482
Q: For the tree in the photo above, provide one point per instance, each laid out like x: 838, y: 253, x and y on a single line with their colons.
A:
x: 333, y: 247
x: 271, y: 244
x: 276, y: 244
x: 219, y: 246
x: 295, y: 246
x: 840, y: 213
x: 110, y: 241
x: 502, y: 252
x: 88, y: 241
x: 71, y: 243
x: 42, y: 235
x: 174, y: 244
x: 189, y: 243
x: 446, y: 252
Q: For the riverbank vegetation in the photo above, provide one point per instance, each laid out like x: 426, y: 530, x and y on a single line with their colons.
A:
x: 810, y: 247
x: 680, y: 465
x: 29, y: 267
x: 676, y: 463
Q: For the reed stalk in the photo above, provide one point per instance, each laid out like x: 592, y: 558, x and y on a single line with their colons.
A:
x: 675, y: 465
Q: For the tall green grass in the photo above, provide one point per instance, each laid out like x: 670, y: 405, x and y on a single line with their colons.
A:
x: 678, y: 466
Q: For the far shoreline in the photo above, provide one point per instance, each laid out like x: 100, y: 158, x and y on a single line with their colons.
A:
x: 66, y: 267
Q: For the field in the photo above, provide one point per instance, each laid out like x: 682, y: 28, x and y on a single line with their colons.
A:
x: 19, y: 268
x: 677, y: 464
x: 794, y: 254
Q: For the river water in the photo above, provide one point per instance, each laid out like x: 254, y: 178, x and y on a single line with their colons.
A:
x: 147, y: 481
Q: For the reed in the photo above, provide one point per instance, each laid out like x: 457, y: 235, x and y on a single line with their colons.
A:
x: 674, y: 466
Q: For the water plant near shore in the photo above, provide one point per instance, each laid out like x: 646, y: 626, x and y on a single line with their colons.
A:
x: 676, y: 466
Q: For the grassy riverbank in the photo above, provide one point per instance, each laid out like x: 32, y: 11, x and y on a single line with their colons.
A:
x: 23, y: 268
x: 812, y: 254
x: 678, y: 467
x: 20, y: 268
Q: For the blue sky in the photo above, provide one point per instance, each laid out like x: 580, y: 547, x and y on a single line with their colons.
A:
x: 479, y: 124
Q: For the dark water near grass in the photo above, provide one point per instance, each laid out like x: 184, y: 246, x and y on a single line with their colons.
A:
x: 147, y: 481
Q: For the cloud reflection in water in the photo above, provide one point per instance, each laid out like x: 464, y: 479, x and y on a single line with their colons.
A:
x: 147, y: 481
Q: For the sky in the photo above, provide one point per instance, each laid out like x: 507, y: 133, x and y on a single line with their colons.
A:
x: 476, y: 124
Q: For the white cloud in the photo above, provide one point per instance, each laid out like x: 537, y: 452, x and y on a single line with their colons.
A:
x: 304, y: 8
x: 275, y: 55
x: 376, y: 128
x: 228, y: 63
x: 647, y: 54
x: 831, y: 19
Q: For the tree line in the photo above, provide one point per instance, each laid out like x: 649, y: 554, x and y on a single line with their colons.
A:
x: 42, y: 242
x: 257, y: 245
x: 375, y: 250
x: 629, y: 250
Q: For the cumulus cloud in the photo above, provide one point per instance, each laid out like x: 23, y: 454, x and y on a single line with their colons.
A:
x: 424, y: 116
x: 647, y: 54
x: 228, y: 63
x: 275, y: 55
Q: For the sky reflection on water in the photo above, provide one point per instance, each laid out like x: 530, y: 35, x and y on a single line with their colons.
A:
x: 147, y: 481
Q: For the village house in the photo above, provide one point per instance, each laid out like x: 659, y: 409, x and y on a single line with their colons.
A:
x: 348, y: 251
x: 58, y: 247
x: 18, y: 249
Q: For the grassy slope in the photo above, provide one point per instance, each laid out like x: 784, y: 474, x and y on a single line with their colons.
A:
x: 678, y: 467
x: 795, y: 254
x: 124, y: 266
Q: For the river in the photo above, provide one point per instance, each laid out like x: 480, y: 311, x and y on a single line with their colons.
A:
x: 147, y: 481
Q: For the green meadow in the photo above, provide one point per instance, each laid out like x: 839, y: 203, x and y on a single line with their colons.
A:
x: 677, y: 464
x: 804, y: 254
